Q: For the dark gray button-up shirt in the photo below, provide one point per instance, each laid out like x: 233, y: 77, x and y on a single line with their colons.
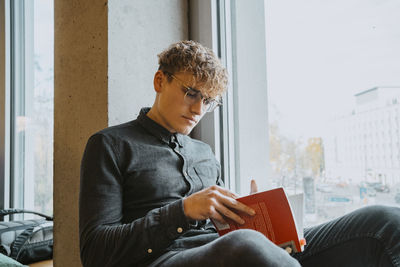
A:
x: 134, y: 177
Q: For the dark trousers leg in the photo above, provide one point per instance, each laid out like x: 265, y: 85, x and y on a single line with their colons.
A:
x: 237, y: 248
x: 366, y: 237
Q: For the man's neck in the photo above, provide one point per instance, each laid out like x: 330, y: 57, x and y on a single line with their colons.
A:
x: 155, y: 116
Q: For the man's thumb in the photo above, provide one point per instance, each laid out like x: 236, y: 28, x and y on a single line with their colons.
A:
x: 253, y: 187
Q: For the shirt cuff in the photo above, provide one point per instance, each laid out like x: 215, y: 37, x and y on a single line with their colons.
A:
x: 174, y: 219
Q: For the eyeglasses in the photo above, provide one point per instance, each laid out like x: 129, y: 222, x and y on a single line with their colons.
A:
x: 193, y: 96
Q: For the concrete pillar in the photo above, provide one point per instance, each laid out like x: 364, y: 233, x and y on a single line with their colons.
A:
x: 80, y: 109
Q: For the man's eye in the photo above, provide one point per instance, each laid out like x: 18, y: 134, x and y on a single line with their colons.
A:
x: 192, y: 94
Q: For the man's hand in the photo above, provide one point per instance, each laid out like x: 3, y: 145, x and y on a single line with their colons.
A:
x: 216, y: 203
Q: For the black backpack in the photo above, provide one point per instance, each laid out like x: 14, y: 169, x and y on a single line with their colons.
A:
x: 26, y: 241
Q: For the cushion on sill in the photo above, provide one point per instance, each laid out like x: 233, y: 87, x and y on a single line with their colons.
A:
x: 7, y: 261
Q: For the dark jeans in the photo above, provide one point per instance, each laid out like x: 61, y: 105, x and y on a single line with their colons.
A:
x: 366, y: 237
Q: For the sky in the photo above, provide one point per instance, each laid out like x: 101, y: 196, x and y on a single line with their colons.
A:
x: 321, y: 53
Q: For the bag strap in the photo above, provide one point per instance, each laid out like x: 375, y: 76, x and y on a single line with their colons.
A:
x: 15, y: 211
x: 20, y: 241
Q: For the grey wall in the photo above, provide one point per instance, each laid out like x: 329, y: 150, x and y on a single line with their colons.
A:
x: 138, y: 31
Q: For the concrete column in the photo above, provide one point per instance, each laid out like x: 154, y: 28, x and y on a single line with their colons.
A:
x: 80, y: 109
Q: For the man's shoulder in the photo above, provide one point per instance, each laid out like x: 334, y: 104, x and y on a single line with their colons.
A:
x: 118, y: 128
x: 120, y: 131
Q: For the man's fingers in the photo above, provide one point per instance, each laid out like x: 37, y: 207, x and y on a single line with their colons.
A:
x: 253, y: 187
x: 217, y: 216
x: 226, y: 192
x: 229, y: 214
x: 233, y: 203
x: 225, y: 204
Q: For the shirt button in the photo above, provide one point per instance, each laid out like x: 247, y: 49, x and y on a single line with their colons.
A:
x: 149, y: 250
x: 184, y: 173
x: 179, y: 230
x: 288, y: 250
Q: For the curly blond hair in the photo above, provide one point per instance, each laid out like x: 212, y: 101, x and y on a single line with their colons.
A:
x: 193, y: 57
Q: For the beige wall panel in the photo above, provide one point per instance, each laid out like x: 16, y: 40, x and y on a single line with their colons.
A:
x: 80, y: 109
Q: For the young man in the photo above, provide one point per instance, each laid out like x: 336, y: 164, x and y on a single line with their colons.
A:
x: 148, y: 190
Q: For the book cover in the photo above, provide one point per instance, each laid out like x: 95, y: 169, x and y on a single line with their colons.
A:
x: 274, y: 218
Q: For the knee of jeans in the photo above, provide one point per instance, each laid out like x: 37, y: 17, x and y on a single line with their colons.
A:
x: 248, y: 236
x: 247, y: 243
x: 252, y: 248
x: 379, y: 212
x: 382, y: 215
x: 244, y: 241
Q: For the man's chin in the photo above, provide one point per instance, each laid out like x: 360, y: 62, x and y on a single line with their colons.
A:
x: 185, y: 131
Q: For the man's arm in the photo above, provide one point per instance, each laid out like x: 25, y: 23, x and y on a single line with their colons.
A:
x: 104, y: 240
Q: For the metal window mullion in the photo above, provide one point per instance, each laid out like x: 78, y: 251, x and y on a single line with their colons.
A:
x: 29, y: 155
x: 234, y: 110
x: 203, y: 16
x: 17, y: 101
x: 5, y: 104
x: 227, y: 120
x: 223, y: 125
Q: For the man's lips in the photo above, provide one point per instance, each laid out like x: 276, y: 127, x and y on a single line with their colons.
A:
x: 193, y: 120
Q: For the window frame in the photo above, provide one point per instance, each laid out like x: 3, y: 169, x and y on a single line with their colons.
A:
x: 16, y: 189
x: 5, y: 103
x: 239, y: 138
x: 215, y: 129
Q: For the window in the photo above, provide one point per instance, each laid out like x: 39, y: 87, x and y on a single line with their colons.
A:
x: 28, y: 95
x: 247, y: 100
x: 307, y: 108
x: 242, y: 122
x: 320, y: 84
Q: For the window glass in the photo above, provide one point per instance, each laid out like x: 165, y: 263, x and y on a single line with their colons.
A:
x: 32, y: 105
x: 43, y: 104
x: 334, y: 90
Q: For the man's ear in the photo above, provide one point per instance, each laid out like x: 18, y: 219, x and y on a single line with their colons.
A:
x: 158, y: 81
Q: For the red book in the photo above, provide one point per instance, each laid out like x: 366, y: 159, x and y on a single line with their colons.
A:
x: 274, y: 218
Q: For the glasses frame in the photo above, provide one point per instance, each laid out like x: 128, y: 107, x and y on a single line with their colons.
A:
x: 208, y: 107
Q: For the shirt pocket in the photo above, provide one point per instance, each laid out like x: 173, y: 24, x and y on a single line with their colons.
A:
x: 207, y: 175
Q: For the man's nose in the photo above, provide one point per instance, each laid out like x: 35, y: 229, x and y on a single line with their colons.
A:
x: 198, y: 107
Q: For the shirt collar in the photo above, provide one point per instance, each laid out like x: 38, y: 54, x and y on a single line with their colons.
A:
x: 157, y: 130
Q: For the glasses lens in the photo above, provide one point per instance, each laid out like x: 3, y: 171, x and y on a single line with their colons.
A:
x: 192, y: 97
x: 213, y: 104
